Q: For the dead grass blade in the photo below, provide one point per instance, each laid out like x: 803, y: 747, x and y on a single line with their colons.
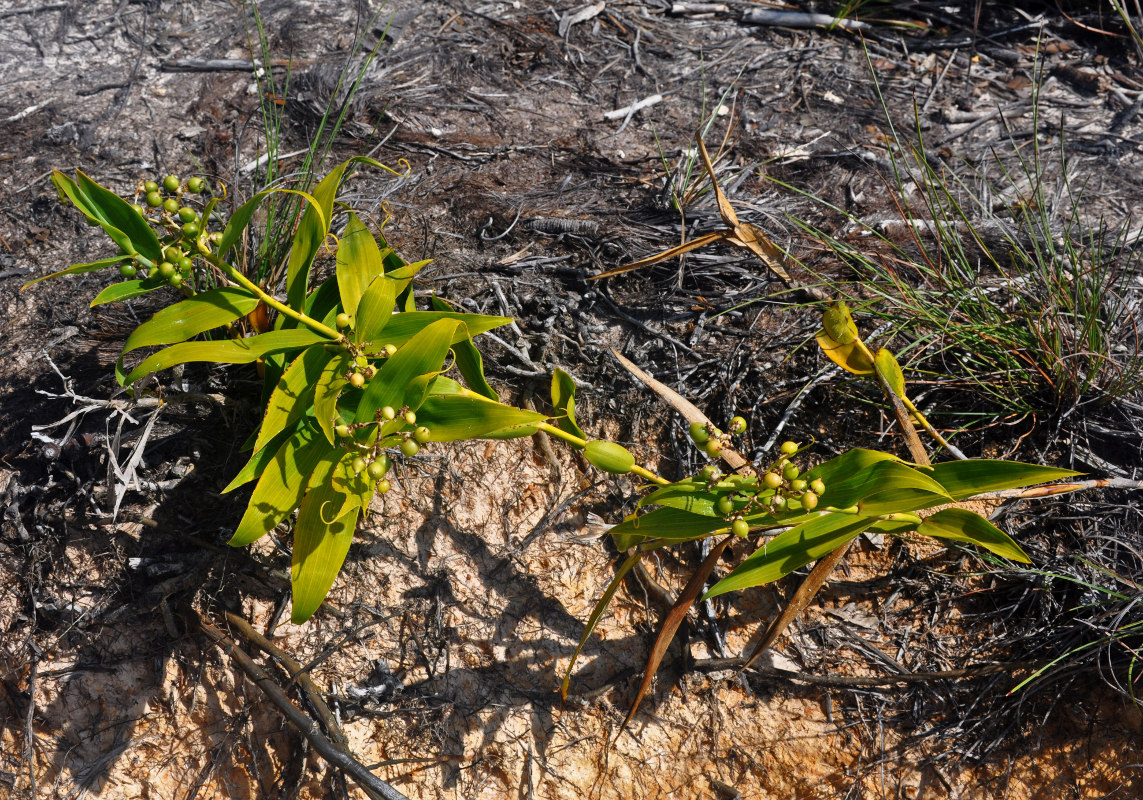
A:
x: 672, y: 622
x: 677, y: 250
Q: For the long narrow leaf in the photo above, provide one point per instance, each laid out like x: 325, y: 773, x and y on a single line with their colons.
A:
x: 76, y: 269
x: 454, y: 417
x: 234, y: 351
x: 320, y: 547
x: 113, y: 210
x: 311, y: 233
x: 963, y: 479
x: 962, y: 525
x: 421, y: 355
x: 293, y: 396
x: 359, y: 262
x: 597, y: 615
x: 468, y: 359
x: 125, y: 290
x: 563, y: 401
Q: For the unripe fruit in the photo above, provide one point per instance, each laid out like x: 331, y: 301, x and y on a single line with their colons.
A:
x: 191, y: 230
x: 712, y: 448
x: 195, y: 185
x: 388, y: 412
x: 817, y: 486
x: 138, y: 208
x: 410, y: 448
x: 410, y: 418
x: 725, y: 505
x: 175, y: 281
x: 343, y: 431
x: 171, y: 205
x: 385, y: 462
x: 809, y: 501
x: 798, y: 485
x: 128, y: 270
x: 358, y: 465
x: 422, y: 435
x: 390, y: 350
x: 187, y: 214
x: 710, y: 473
x: 791, y: 471
x: 699, y: 433
x: 171, y: 183
x: 173, y: 254
x: 377, y: 470
x: 150, y: 186
x: 341, y: 321
x: 609, y: 457
x: 772, y: 480
x: 357, y: 380
x: 166, y: 269
x: 741, y: 528
x: 737, y: 426
x: 778, y: 502
x: 361, y: 361
x: 185, y: 265
x: 154, y: 199
x: 789, y: 448
x: 382, y: 487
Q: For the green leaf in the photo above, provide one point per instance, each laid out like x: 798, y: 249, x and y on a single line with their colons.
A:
x: 961, y: 525
x: 320, y: 547
x: 890, y: 370
x: 421, y: 355
x: 293, y: 396
x: 113, y: 212
x: 876, y: 483
x: 453, y: 418
x: 669, y: 523
x: 125, y: 290
x: 597, y: 615
x: 188, y: 318
x: 357, y: 488
x: 76, y: 269
x: 279, y: 489
x: 404, y: 326
x: 260, y: 459
x: 468, y: 359
x: 838, y: 323
x: 900, y: 500
x: 974, y: 476
x: 790, y: 550
x: 311, y: 233
x: 327, y: 388
x: 232, y: 351
x: 375, y: 308
x: 359, y: 262
x: 563, y: 401
x: 847, y: 465
x: 238, y: 222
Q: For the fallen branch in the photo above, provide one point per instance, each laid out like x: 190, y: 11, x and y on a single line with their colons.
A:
x: 336, y: 756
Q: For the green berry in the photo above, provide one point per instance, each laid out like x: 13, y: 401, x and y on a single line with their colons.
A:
x: 410, y: 448
x: 710, y: 473
x: 185, y: 265
x: 187, y: 214
x: 150, y: 186
x: 175, y: 281
x: 342, y: 321
x: 797, y: 485
x: 358, y: 465
x: 817, y: 486
x: 789, y: 448
x: 138, y: 208
x: 357, y: 380
x: 383, y: 486
x: 385, y: 462
x: 699, y: 433
x: 725, y: 505
x: 410, y: 418
x: 737, y: 426
x: 170, y: 205
x: 154, y: 199
x: 167, y: 269
x: 128, y: 270
x: 195, y: 185
x: 713, y: 448
x: 173, y: 254
x: 422, y: 435
x: 388, y: 412
x: 343, y: 431
x: 191, y: 230
x: 171, y: 183
x: 377, y: 470
x: 772, y: 480
x: 778, y: 502
x: 809, y: 501
x: 741, y: 528
x: 390, y: 350
x: 791, y: 471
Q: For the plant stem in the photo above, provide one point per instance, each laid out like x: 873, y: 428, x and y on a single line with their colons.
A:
x: 643, y: 472
x: 571, y: 438
x: 278, y: 305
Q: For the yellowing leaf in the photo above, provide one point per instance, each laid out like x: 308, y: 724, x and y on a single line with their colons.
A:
x: 962, y: 525
x: 847, y: 356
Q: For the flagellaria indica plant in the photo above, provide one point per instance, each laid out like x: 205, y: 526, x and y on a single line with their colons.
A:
x: 358, y: 378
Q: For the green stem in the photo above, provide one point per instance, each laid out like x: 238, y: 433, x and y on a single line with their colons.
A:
x: 643, y: 472
x: 571, y: 438
x: 278, y: 305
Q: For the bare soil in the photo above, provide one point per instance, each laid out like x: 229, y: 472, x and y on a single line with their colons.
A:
x: 444, y: 641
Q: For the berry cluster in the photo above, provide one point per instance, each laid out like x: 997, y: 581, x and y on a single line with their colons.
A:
x: 374, y: 461
x: 753, y: 491
x: 163, y: 204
